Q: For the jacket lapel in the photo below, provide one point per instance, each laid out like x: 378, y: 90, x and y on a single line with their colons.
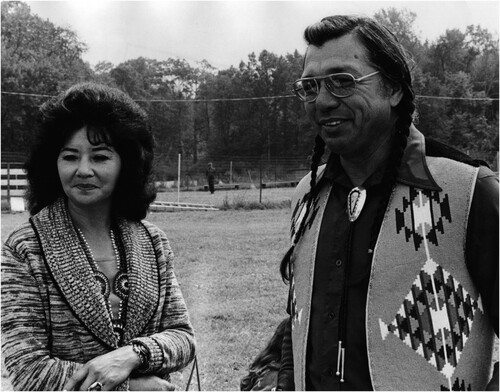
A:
x: 143, y: 277
x: 68, y: 264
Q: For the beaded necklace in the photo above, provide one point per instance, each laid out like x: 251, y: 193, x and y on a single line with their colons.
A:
x: 120, y: 282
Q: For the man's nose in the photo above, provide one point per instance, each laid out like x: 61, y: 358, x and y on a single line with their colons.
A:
x: 325, y: 98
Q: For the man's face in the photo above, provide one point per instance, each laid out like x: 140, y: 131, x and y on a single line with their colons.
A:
x: 355, y: 126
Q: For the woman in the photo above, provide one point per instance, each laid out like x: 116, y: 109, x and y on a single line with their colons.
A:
x: 89, y: 296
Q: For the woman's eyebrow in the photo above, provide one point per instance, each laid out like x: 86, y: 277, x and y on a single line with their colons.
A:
x: 69, y: 149
x: 102, y: 147
x: 94, y: 149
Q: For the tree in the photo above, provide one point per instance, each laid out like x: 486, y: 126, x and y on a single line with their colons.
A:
x: 37, y: 58
x: 449, y: 54
x: 202, y: 112
x: 400, y: 23
x: 484, y: 61
x: 253, y: 124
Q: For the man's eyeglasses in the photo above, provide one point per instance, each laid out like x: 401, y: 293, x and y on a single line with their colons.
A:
x: 340, y: 85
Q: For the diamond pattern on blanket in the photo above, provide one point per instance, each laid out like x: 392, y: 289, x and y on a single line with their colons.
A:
x: 423, y: 207
x: 435, y: 318
x: 294, y: 312
x: 458, y: 385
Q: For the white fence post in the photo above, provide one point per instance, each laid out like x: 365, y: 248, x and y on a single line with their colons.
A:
x: 231, y: 172
x: 179, y: 179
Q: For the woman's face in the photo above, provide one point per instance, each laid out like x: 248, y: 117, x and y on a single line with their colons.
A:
x: 88, y: 173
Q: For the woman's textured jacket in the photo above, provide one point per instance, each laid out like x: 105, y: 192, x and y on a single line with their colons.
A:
x: 54, y: 318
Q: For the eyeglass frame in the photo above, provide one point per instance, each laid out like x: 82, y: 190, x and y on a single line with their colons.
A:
x: 318, y: 79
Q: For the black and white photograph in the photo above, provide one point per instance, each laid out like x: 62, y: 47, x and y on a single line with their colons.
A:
x: 249, y: 195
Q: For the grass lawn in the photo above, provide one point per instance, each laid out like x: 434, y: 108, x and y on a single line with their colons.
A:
x: 227, y: 265
x: 221, y: 197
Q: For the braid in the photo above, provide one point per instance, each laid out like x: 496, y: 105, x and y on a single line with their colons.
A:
x: 318, y: 151
x: 285, y: 264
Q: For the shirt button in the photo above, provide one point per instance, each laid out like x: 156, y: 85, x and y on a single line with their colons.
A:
x: 331, y: 315
x: 338, y: 263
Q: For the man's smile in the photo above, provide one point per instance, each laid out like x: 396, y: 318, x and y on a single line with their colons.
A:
x: 332, y: 122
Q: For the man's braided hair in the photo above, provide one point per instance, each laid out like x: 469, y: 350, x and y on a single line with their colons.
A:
x: 387, y: 56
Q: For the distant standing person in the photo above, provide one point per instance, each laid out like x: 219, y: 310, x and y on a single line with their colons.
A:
x: 210, y: 174
x: 90, y: 300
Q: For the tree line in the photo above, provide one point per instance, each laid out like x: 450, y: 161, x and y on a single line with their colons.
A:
x: 249, y: 110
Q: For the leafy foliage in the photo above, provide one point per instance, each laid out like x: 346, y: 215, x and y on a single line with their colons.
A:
x: 37, y: 57
x: 204, y: 113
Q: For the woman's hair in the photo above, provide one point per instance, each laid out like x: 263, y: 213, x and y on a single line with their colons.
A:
x: 269, y: 357
x: 110, y: 116
x: 385, y: 54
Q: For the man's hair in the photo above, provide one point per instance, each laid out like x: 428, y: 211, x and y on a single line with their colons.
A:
x: 268, y: 359
x: 110, y: 116
x: 385, y: 54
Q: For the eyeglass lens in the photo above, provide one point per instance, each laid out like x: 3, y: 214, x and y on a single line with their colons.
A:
x: 339, y: 85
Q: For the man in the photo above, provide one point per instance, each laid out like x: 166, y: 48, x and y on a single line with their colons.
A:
x: 393, y: 267
x: 210, y: 174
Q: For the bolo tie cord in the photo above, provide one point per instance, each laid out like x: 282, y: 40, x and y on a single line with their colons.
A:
x: 343, y: 323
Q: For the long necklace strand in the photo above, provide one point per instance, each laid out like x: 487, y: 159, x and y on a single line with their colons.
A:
x: 120, y: 282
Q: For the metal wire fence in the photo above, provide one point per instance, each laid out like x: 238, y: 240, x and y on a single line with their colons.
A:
x: 233, y: 172
x: 230, y: 172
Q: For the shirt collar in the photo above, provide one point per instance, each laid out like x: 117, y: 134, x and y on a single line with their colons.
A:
x: 412, y: 171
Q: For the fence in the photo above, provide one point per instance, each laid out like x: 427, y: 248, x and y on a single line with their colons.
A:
x: 14, y: 184
x: 234, y: 172
x: 14, y: 180
x: 231, y: 172
x: 249, y: 171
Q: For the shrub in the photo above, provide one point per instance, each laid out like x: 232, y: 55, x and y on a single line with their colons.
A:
x: 240, y: 203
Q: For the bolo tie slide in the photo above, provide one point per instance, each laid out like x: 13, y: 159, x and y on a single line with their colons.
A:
x: 355, y: 202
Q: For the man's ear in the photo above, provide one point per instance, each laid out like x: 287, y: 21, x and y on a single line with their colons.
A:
x: 396, y: 94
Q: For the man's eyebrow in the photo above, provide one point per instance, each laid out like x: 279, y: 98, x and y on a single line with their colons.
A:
x: 337, y: 69
x: 329, y: 71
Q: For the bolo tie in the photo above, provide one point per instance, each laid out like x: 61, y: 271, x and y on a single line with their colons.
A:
x: 355, y: 202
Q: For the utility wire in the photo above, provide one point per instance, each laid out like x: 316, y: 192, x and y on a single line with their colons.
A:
x: 27, y: 94
x: 214, y: 99
x: 456, y: 98
x: 246, y: 99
